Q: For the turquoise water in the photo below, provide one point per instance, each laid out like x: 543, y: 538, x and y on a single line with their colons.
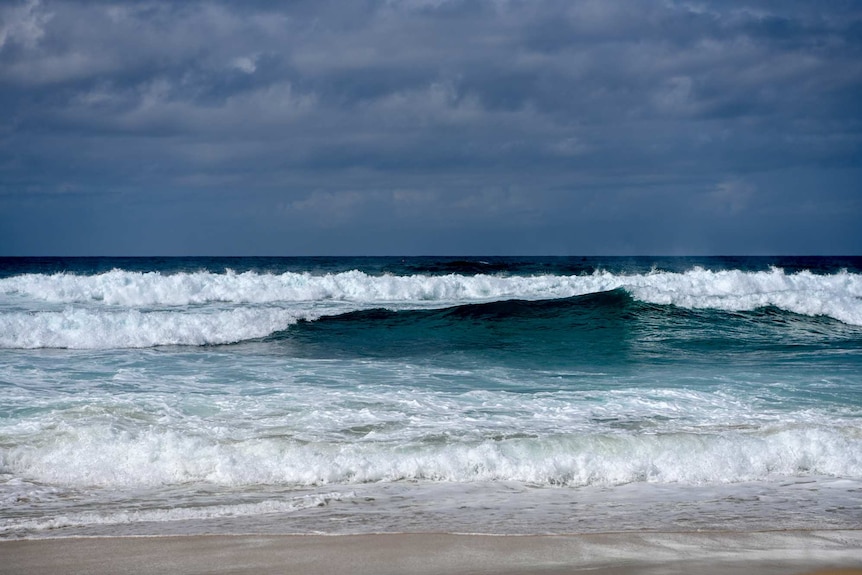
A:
x: 501, y: 395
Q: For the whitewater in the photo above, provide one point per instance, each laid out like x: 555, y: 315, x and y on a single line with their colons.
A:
x: 488, y: 395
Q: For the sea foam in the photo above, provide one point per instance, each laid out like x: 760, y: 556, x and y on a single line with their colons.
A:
x: 153, y: 457
x: 76, y: 328
x: 163, y: 514
x: 310, y: 435
x: 730, y: 289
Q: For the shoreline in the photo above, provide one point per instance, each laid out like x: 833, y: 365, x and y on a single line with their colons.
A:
x: 622, y: 553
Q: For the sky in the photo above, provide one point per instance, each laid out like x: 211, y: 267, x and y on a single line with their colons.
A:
x: 430, y: 127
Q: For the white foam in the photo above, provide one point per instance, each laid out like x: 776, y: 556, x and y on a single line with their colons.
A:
x: 196, y: 513
x: 77, y: 328
x: 838, y: 295
x: 733, y: 289
x: 136, y: 289
x: 151, y: 457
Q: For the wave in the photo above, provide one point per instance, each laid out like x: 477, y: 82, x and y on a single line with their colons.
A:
x: 174, y: 513
x: 697, y: 288
x: 140, y: 309
x: 599, y: 325
x: 155, y: 457
x: 594, y: 324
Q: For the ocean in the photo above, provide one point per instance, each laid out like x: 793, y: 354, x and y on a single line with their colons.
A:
x: 153, y: 396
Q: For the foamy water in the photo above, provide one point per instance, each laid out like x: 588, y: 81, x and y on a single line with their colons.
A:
x: 258, y: 401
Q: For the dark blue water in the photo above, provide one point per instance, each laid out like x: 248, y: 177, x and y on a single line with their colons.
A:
x: 429, y: 265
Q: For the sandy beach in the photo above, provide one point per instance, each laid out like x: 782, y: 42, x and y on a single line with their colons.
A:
x: 438, y: 554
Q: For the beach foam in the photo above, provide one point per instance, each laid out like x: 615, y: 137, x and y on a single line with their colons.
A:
x: 91, y: 455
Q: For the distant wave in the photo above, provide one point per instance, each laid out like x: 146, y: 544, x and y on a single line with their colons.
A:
x: 729, y: 290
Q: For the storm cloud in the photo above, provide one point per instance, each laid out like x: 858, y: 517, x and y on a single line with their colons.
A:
x: 430, y: 127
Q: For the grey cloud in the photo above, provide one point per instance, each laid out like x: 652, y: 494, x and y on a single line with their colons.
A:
x: 429, y: 115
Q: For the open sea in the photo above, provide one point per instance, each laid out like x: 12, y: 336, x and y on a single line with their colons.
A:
x: 150, y: 396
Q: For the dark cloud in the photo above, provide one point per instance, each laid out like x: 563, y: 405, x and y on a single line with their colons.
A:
x: 427, y: 126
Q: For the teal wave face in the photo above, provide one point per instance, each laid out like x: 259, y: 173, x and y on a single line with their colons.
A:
x: 604, y: 329
x: 594, y: 324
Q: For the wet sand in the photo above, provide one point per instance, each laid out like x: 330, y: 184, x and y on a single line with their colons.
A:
x: 782, y: 552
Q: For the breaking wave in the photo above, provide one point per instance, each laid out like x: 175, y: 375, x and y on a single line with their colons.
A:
x: 120, y: 309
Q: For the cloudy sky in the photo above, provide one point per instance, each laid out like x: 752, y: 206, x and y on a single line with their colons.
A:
x: 430, y: 127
